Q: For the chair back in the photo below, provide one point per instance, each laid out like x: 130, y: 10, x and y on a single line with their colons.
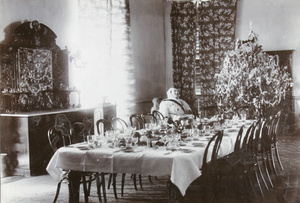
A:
x: 89, y: 125
x: 62, y: 120
x: 237, y: 145
x: 102, y: 126
x: 118, y: 124
x: 249, y: 131
x: 217, y: 139
x: 79, y: 132
x: 274, y: 128
x: 136, y: 121
x: 58, y: 136
x: 148, y: 118
x: 158, y: 115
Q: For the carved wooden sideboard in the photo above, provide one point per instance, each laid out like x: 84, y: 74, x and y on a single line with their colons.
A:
x: 34, y: 70
x: 24, y: 137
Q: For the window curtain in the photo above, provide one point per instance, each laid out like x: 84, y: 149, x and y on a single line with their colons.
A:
x: 183, y: 18
x: 104, y: 29
x: 215, y: 21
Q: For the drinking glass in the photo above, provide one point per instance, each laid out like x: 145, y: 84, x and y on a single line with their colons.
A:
x: 91, y: 140
x: 243, y: 116
x: 135, y: 140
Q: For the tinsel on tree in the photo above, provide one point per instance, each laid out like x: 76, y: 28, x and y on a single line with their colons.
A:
x: 250, y: 77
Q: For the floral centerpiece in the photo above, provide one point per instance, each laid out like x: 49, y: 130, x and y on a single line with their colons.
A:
x: 250, y: 77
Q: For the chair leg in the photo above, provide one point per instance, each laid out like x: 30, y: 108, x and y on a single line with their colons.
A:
x: 89, y: 185
x: 98, y: 182
x: 85, y: 190
x: 277, y: 156
x: 267, y: 172
x: 109, y: 180
x: 140, y: 180
x: 103, y: 187
x: 150, y: 180
x: 114, y: 185
x: 273, y: 162
x: 134, y: 181
x: 258, y: 183
x: 57, y: 191
x: 122, y: 185
x: 261, y: 174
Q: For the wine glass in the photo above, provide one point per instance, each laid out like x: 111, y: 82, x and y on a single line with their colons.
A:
x: 135, y: 140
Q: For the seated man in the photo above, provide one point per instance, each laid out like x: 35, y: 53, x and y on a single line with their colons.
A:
x: 173, y: 107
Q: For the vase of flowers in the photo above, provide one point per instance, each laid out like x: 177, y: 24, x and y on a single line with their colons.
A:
x: 250, y: 77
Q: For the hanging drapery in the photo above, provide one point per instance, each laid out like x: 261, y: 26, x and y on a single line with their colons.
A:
x: 217, y: 36
x: 104, y: 28
x: 183, y: 16
x: 215, y: 21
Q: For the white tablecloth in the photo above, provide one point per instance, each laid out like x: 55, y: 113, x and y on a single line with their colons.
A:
x: 183, y: 168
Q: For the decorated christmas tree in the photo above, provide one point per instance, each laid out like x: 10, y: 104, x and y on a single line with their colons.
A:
x: 250, y: 77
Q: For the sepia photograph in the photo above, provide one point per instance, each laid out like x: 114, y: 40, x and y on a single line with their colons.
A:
x: 120, y: 101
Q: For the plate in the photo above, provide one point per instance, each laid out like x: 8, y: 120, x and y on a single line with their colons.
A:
x: 83, y: 147
x: 128, y: 150
x: 232, y: 130
x: 182, y: 144
x: 187, y: 150
x: 198, y: 144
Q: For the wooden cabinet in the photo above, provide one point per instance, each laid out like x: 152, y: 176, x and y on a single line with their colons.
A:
x: 24, y: 137
x: 34, y: 71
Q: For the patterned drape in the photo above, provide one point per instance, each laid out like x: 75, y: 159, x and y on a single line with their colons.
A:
x: 217, y: 36
x: 216, y: 20
x: 183, y: 18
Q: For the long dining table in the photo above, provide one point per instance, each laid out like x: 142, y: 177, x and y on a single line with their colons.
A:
x: 182, y: 165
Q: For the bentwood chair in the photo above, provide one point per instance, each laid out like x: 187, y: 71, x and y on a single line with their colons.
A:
x: 136, y: 121
x: 158, y: 115
x: 121, y: 125
x: 208, y: 169
x: 62, y: 120
x: 58, y: 136
x: 102, y: 126
x: 274, y: 132
x: 148, y: 118
x: 118, y: 124
x: 79, y: 132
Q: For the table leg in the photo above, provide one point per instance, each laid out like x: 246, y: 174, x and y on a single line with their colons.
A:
x: 174, y: 194
x: 74, y: 183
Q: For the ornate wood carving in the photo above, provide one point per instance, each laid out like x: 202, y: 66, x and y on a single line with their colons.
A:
x: 34, y: 70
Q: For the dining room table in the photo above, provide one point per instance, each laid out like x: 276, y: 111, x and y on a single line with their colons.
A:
x: 181, y: 163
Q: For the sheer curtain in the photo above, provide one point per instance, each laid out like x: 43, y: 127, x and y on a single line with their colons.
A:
x: 104, y: 45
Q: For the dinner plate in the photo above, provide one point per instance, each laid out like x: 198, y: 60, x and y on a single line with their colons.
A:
x: 187, y: 150
x: 232, y: 130
x: 182, y: 144
x: 128, y: 150
x: 198, y: 144
x: 83, y: 147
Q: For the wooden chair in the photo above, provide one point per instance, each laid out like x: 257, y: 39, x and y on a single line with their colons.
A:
x: 136, y: 121
x: 62, y: 120
x: 208, y: 169
x: 148, y: 118
x: 58, y: 136
x: 274, y: 132
x: 158, y: 115
x: 78, y: 132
